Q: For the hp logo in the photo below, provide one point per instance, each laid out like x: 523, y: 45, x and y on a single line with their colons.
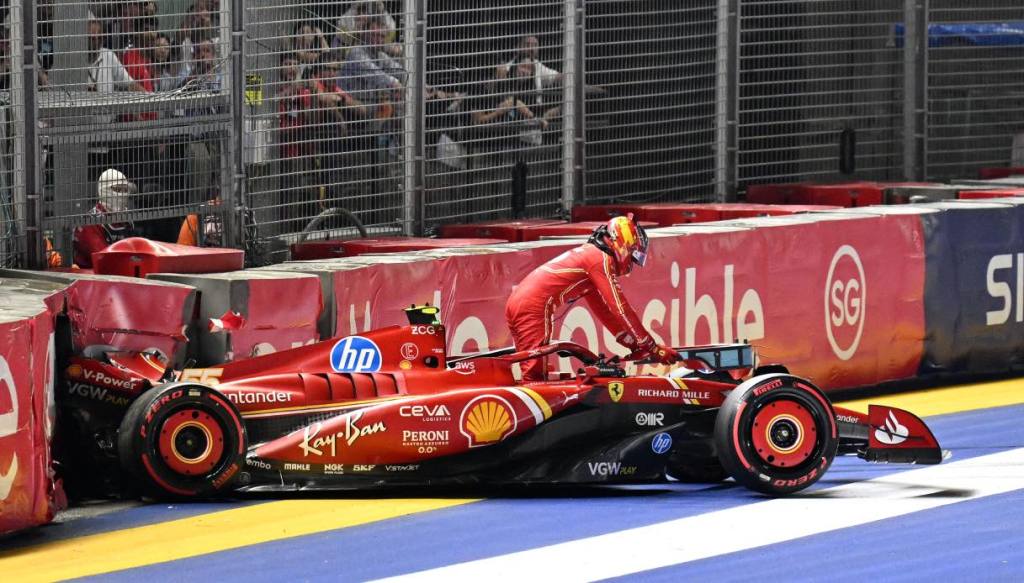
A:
x: 355, y: 354
x: 661, y: 443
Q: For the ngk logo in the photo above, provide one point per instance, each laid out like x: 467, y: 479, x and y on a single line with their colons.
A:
x: 846, y: 295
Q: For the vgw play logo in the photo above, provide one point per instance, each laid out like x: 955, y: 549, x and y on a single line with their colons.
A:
x: 846, y: 293
x: 355, y: 354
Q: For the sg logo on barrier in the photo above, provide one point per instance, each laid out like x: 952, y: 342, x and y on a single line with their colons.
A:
x: 846, y: 293
x: 355, y: 354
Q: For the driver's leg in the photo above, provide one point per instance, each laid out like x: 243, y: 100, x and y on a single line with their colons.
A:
x: 530, y: 329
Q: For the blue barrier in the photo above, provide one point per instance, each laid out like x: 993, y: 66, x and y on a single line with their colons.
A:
x: 970, y: 34
x: 974, y: 288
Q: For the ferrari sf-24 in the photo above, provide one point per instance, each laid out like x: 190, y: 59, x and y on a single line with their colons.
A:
x: 390, y: 407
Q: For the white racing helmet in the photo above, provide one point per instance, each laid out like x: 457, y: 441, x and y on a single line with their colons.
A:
x: 114, y: 191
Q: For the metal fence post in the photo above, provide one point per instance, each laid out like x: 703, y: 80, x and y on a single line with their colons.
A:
x: 726, y: 99
x: 414, y: 121
x: 581, y: 102
x: 915, y: 76
x: 35, y: 250
x: 233, y: 175
x: 571, y: 81
x: 922, y: 86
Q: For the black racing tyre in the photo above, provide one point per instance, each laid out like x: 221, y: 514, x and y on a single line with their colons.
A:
x: 182, y: 440
x: 776, y: 434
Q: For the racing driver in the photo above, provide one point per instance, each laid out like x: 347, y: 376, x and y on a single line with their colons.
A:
x: 589, y: 271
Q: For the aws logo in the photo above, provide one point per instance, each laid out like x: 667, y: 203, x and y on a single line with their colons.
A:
x: 355, y: 354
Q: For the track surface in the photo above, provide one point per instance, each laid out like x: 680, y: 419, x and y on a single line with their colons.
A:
x: 961, y: 520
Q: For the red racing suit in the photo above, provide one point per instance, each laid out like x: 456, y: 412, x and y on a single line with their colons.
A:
x: 92, y: 238
x: 584, y: 272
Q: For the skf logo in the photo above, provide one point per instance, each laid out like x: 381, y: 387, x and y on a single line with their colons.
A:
x: 487, y: 419
x: 846, y: 295
x: 999, y: 288
x: 355, y: 354
x: 615, y: 390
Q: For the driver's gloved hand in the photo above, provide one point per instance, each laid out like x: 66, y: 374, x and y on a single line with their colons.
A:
x: 664, y: 354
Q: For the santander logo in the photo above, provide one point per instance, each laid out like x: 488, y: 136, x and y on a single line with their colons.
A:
x: 846, y: 292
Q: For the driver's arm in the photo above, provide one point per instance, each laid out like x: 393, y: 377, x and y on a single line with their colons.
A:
x: 611, y: 307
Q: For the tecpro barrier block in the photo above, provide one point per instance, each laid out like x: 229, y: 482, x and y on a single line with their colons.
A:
x: 278, y: 310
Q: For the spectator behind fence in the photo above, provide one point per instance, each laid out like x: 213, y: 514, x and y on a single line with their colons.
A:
x: 138, y: 61
x: 124, y: 25
x: 499, y: 112
x: 309, y: 45
x: 114, y: 193
x: 204, y: 155
x: 167, y: 69
x: 198, y: 25
x: 374, y: 77
x: 353, y: 22
x: 294, y: 105
x: 106, y: 74
x: 528, y: 57
x: 333, y: 109
x: 369, y: 68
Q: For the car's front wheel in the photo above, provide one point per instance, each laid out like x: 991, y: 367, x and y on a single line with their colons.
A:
x: 776, y: 434
x: 182, y: 440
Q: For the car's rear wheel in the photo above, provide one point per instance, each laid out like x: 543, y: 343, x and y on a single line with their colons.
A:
x: 776, y: 434
x: 182, y: 440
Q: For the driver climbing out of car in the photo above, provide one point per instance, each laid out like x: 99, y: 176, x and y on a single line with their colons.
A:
x: 589, y: 271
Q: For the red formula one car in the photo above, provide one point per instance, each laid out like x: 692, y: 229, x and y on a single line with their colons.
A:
x: 390, y: 407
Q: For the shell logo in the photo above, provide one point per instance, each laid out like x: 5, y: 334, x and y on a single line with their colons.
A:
x: 75, y: 371
x: 487, y: 419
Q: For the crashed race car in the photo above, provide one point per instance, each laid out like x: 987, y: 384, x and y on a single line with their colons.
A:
x: 390, y: 407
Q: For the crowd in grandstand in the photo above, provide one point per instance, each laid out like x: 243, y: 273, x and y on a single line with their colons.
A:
x: 338, y: 89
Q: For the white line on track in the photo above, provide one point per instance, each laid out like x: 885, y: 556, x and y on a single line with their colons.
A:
x: 749, y: 526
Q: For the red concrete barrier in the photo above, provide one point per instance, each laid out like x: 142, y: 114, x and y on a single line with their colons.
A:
x: 511, y: 231
x: 138, y: 257
x: 29, y: 494
x: 347, y: 248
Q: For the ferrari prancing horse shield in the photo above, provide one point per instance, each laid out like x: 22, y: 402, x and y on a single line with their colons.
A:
x: 615, y: 390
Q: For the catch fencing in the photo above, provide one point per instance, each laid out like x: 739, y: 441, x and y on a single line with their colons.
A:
x: 260, y: 123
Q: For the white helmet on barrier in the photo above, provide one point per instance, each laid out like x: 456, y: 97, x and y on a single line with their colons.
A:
x: 114, y: 191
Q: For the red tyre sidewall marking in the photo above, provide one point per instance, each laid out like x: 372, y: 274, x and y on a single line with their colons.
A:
x: 828, y: 408
x: 234, y: 418
x: 736, y: 443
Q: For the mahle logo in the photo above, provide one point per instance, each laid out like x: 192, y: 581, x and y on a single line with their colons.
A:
x: 355, y: 354
x: 846, y: 293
